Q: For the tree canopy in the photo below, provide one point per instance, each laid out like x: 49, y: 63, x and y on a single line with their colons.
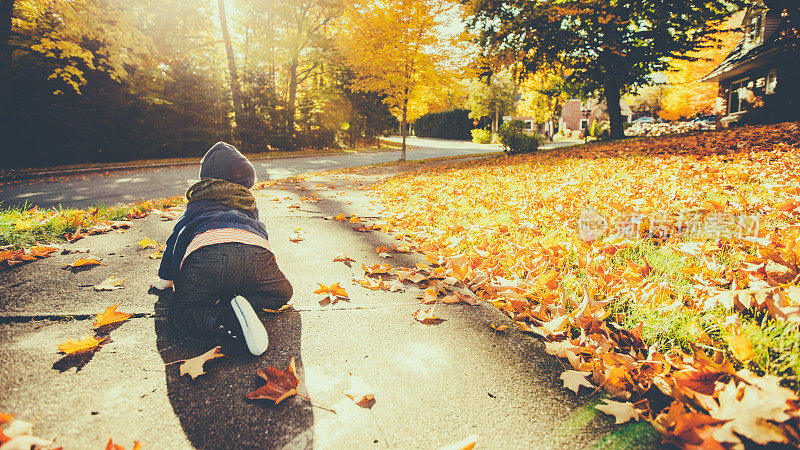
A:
x: 611, y: 46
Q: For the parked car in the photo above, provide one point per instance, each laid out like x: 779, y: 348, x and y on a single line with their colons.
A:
x: 705, y: 121
x: 645, y: 119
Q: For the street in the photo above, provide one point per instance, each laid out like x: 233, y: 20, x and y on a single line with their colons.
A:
x: 129, y: 186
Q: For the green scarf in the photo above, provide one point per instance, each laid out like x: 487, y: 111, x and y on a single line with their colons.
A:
x: 229, y: 194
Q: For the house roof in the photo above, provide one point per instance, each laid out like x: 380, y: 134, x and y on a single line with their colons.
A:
x: 743, y: 57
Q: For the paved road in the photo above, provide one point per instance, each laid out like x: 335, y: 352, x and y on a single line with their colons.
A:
x: 129, y: 186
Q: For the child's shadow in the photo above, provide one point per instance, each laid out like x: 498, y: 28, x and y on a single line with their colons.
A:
x: 212, y: 408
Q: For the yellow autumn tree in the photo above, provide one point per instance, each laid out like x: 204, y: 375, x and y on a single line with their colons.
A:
x: 543, y: 94
x: 686, y: 95
x: 392, y: 48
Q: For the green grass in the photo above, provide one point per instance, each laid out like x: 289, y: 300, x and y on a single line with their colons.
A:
x: 22, y: 227
x: 632, y: 435
x: 776, y: 343
x: 777, y: 347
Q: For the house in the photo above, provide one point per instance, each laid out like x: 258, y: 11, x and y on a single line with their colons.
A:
x: 754, y: 79
x: 580, y: 115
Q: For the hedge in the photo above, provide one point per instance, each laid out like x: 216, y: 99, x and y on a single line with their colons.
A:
x: 445, y: 125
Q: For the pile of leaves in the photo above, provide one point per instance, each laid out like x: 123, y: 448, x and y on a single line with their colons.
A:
x: 683, y: 312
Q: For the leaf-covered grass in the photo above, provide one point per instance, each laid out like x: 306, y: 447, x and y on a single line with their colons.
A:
x: 518, y: 217
x: 22, y: 227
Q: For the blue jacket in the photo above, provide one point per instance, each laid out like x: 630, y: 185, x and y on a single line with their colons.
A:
x: 201, y: 216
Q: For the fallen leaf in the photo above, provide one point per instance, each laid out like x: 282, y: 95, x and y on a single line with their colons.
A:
x: 750, y: 411
x: 342, y: 257
x: 467, y: 443
x: 574, y: 379
x: 42, y: 251
x: 27, y: 442
x: 281, y: 309
x: 429, y: 295
x: 74, y: 236
x: 396, y: 286
x: 377, y: 269
x: 194, y: 366
x: 498, y: 328
x: 110, y: 315
x: 112, y: 446
x: 147, y: 242
x: 622, y: 411
x: 371, y: 283
x: 88, y: 343
x: 332, y: 293
x: 402, y: 247
x: 360, y: 392
x: 83, y: 262
x: 110, y: 284
x: 18, y: 428
x: 281, y: 384
x: 426, y: 315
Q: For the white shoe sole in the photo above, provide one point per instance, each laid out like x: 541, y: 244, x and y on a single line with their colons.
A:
x: 255, y: 335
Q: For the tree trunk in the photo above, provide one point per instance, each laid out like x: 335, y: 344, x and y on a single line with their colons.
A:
x: 6, y: 103
x: 495, y: 119
x: 291, y: 108
x: 404, y: 129
x: 611, y: 90
x: 236, y: 89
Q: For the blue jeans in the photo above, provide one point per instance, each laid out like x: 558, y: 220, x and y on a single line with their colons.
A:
x: 212, y: 275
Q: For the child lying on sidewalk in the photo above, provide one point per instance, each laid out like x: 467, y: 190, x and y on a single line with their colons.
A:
x: 219, y: 258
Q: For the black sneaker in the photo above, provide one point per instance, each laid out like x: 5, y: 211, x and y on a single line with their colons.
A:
x: 241, y: 324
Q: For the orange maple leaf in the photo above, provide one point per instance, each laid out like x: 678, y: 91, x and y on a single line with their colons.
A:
x: 377, y: 268
x: 342, y: 257
x: 81, y: 262
x: 332, y: 293
x: 281, y: 384
x: 87, y: 344
x: 112, y: 446
x: 110, y: 315
x: 429, y: 295
x: 42, y: 251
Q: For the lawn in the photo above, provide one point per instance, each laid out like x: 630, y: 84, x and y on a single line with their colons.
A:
x: 664, y: 270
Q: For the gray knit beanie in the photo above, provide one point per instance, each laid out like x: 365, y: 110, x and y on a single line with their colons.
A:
x: 224, y: 162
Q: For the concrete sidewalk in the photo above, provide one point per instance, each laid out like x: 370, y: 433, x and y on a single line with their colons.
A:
x: 433, y: 384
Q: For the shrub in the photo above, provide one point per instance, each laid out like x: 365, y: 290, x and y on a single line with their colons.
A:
x: 445, y: 125
x: 481, y: 136
x: 593, y: 129
x: 514, y: 140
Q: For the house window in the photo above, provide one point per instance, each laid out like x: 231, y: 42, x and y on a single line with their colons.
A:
x: 584, y: 124
x: 754, y: 31
x: 772, y: 81
x: 736, y: 102
x: 528, y: 125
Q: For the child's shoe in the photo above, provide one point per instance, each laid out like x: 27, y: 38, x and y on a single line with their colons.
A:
x: 243, y: 325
